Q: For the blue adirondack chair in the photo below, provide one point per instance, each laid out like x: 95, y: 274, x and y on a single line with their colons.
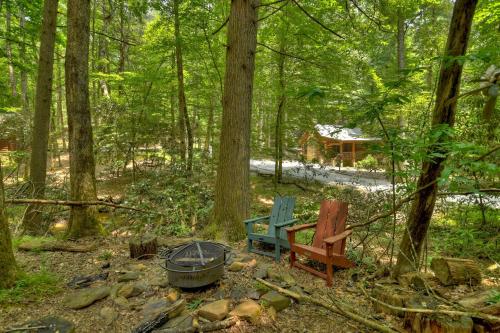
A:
x: 281, y: 217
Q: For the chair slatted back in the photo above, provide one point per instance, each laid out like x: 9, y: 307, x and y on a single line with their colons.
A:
x: 331, y: 221
x: 282, y: 211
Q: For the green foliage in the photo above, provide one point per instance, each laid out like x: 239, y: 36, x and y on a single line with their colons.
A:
x: 105, y: 255
x: 194, y: 304
x: 31, y: 287
x: 369, y: 163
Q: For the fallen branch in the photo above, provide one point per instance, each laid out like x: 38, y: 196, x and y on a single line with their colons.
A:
x: 25, y: 328
x: 335, y: 307
x: 171, y: 312
x: 446, y: 312
x: 55, y: 247
x: 72, y: 203
x: 205, y: 327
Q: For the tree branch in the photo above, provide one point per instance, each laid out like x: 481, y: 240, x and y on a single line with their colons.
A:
x: 316, y: 20
x: 222, y: 26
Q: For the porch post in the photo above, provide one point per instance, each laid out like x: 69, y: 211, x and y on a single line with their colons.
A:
x: 353, y: 153
x: 341, y: 153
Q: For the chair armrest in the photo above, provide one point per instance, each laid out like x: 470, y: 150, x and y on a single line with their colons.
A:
x: 289, y: 222
x: 257, y: 219
x: 300, y: 227
x: 336, y: 238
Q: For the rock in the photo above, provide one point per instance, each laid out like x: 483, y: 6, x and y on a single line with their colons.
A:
x: 173, y: 295
x: 272, y: 274
x: 276, y: 300
x: 273, y: 314
x: 298, y: 290
x: 153, y: 308
x: 183, y: 322
x: 129, y: 276
x: 252, y: 263
x: 215, y: 311
x: 122, y: 302
x: 52, y: 324
x: 108, y: 314
x: 260, y: 272
x: 219, y: 294
x: 86, y: 297
x: 137, y: 267
x: 236, y: 266
x: 106, y: 265
x: 132, y: 289
x: 114, y: 290
x: 248, y: 310
x: 288, y: 279
x: 237, y: 293
x: 159, y: 281
x: 253, y: 294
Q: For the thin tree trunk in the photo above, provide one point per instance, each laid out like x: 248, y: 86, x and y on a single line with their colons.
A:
x: 8, y: 267
x: 232, y: 188
x: 401, y: 56
x: 278, y: 141
x: 82, y: 167
x: 443, y: 115
x: 210, y: 126
x: 8, y: 48
x: 32, y: 221
x: 184, y: 124
x: 60, y: 114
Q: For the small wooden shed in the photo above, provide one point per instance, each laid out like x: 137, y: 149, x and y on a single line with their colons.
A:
x: 336, y: 144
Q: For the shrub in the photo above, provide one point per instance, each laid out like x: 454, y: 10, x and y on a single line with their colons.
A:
x: 369, y: 163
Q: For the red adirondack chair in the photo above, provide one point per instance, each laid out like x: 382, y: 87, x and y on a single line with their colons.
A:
x: 328, y: 245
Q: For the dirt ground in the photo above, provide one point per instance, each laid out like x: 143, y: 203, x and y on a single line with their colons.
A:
x: 297, y: 318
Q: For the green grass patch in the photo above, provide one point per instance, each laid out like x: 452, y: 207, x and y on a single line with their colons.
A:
x: 31, y: 287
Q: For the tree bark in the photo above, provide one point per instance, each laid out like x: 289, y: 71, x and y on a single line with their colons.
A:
x: 8, y: 48
x: 443, y: 118
x: 184, y: 124
x: 8, y: 267
x: 81, y: 153
x: 401, y: 55
x: 32, y: 221
x: 278, y: 141
x: 60, y: 115
x: 232, y: 189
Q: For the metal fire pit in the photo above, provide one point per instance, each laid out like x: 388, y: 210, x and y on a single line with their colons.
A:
x: 196, y: 264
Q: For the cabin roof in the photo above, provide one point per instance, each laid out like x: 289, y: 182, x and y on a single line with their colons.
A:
x: 337, y: 132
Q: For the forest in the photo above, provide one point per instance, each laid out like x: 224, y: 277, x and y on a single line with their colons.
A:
x: 249, y: 166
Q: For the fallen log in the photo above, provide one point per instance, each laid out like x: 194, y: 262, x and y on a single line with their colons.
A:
x: 204, y: 327
x: 161, y: 319
x: 72, y: 203
x: 336, y: 307
x: 453, y: 271
x: 436, y: 311
x: 55, y: 247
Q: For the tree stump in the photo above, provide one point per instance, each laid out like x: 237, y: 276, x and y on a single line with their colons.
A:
x: 392, y: 295
x: 144, y: 247
x: 452, y: 271
x: 431, y: 322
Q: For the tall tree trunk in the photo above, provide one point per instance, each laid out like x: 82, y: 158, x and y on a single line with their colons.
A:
x: 8, y: 48
x: 184, y: 124
x: 210, y: 126
x: 443, y: 115
x: 8, y: 267
x: 278, y: 141
x: 232, y: 188
x: 32, y: 221
x: 81, y: 153
x: 173, y: 125
x: 59, y: 92
x: 401, y: 55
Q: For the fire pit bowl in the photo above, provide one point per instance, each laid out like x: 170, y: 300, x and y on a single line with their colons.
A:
x: 196, y: 264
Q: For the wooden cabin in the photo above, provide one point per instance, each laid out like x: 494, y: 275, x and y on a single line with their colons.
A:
x: 336, y: 145
x: 8, y: 144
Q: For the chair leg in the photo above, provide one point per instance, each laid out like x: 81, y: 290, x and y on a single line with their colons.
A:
x: 249, y: 245
x: 277, y: 251
x: 293, y: 257
x: 329, y: 275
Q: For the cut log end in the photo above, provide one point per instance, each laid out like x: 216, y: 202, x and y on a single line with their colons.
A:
x: 143, y: 248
